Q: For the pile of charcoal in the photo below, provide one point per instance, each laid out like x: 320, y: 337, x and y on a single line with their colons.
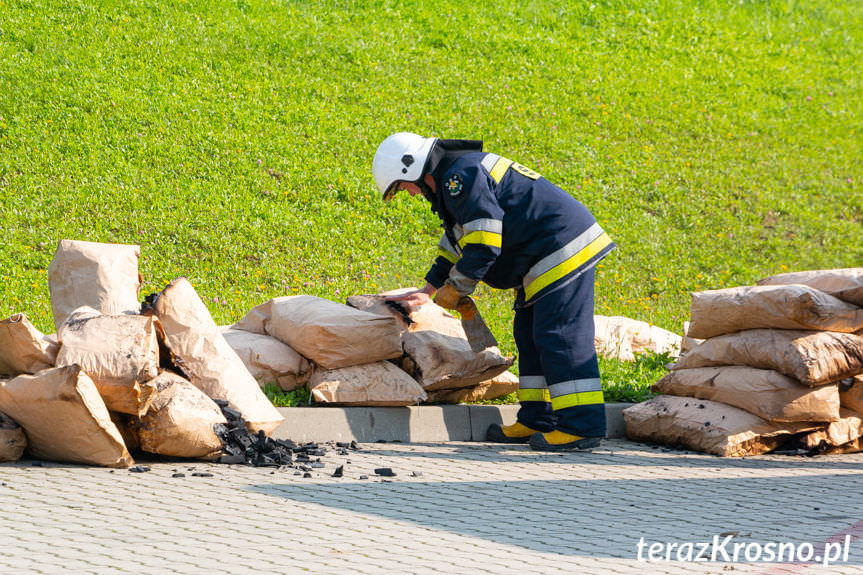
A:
x: 245, y: 448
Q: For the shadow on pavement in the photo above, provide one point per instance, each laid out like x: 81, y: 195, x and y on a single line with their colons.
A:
x: 605, y: 518
x: 628, y: 454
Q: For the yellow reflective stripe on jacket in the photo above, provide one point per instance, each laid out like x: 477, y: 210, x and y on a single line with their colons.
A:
x: 446, y: 250
x: 533, y: 395
x: 565, y: 260
x: 481, y: 237
x: 447, y: 255
x: 496, y: 166
x: 587, y: 398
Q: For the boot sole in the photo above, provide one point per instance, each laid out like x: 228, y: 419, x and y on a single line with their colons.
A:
x: 541, y: 444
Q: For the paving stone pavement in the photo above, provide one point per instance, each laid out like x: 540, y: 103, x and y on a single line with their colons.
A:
x: 475, y: 509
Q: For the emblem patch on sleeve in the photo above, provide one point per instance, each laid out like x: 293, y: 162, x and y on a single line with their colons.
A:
x: 454, y: 185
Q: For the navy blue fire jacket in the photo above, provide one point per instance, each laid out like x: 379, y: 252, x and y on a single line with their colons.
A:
x: 506, y: 225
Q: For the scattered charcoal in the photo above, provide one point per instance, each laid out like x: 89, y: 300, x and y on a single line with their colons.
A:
x: 139, y: 469
x: 317, y: 452
x: 303, y: 457
x: 221, y: 403
x: 339, y: 472
x: 416, y: 473
x: 304, y: 468
x: 342, y: 444
x: 199, y: 474
x: 316, y: 465
x: 342, y: 452
x: 354, y: 446
x: 385, y: 472
x: 231, y: 414
x: 364, y: 476
x: 306, y: 475
x: 178, y: 475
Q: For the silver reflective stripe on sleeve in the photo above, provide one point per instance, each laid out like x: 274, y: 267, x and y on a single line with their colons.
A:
x: 484, y: 225
x: 489, y: 161
x: 575, y: 386
x: 531, y: 382
x: 563, y: 254
x: 448, y: 247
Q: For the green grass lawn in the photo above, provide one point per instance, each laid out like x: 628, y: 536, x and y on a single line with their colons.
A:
x: 717, y: 142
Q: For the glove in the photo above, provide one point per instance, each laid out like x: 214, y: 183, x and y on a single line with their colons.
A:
x: 447, y: 297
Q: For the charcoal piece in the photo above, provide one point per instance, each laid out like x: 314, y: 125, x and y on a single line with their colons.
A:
x: 416, y: 473
x: 364, y: 476
x: 307, y: 474
x: 385, y: 472
x: 178, y: 475
x: 139, y: 469
x: 232, y: 414
x: 223, y: 404
x: 342, y: 452
x: 342, y: 444
x: 303, y: 457
x: 199, y: 474
x: 354, y: 446
x: 287, y: 444
x: 233, y: 459
x: 339, y: 472
x: 316, y: 465
x: 305, y: 468
x: 317, y: 452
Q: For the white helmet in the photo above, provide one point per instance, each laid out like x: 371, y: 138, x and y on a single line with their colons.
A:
x: 400, y: 158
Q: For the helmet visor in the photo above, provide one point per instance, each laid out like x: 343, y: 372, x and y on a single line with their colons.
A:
x: 391, y: 191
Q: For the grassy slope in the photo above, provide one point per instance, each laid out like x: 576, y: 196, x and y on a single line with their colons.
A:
x: 717, y: 142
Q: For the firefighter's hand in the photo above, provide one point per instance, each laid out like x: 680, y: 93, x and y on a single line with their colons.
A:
x: 447, y: 297
x: 414, y: 299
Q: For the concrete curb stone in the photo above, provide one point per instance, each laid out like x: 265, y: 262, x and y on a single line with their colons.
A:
x: 414, y: 424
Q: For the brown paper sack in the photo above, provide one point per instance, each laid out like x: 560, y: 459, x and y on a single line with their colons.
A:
x: 619, y: 337
x: 714, y: 428
x: 379, y: 383
x: 212, y: 366
x: 845, y: 284
x: 837, y: 433
x: 123, y: 423
x: 330, y: 334
x: 180, y: 421
x: 64, y: 418
x: 102, y: 276
x: 268, y: 359
x: 436, y: 343
x: 501, y: 385
x: 722, y: 311
x: 811, y: 357
x: 12, y: 439
x: 851, y: 393
x: 765, y: 393
x: 23, y: 348
x: 119, y: 352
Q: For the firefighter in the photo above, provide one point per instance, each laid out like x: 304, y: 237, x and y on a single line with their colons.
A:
x: 506, y: 225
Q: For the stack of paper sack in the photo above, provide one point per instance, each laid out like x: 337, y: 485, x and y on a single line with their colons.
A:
x: 779, y: 365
